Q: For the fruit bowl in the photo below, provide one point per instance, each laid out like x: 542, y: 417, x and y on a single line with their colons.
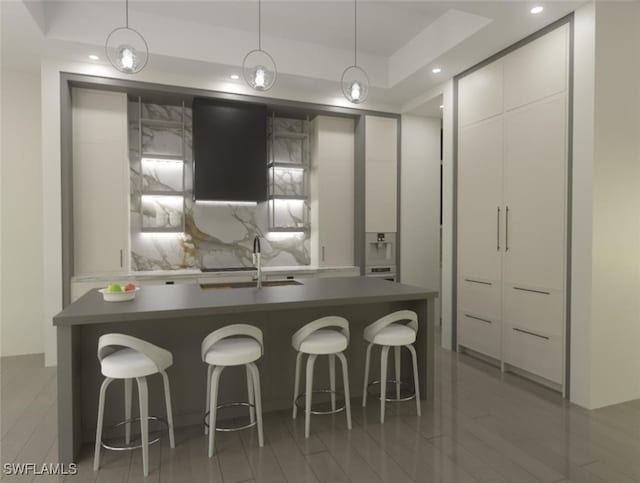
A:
x: 118, y: 296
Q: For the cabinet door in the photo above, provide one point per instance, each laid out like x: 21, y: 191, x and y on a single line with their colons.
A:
x: 381, y: 174
x: 480, y: 227
x: 332, y: 187
x: 480, y: 94
x: 535, y: 195
x: 539, y: 69
x: 100, y: 181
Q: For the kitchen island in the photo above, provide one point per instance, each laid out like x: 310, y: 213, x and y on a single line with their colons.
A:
x: 178, y: 317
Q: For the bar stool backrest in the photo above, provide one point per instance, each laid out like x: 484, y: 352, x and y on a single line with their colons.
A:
x: 323, y: 323
x: 110, y: 343
x: 233, y: 330
x: 393, y: 318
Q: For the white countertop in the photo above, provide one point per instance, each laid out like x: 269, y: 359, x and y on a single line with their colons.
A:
x: 195, y: 273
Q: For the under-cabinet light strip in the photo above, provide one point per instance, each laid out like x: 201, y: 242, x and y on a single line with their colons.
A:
x: 226, y: 203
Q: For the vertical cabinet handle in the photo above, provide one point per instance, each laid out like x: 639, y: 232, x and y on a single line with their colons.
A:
x: 121, y: 259
x: 506, y: 231
x: 323, y: 254
x: 498, y: 230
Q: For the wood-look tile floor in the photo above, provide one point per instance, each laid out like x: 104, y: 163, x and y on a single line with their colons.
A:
x: 483, y: 426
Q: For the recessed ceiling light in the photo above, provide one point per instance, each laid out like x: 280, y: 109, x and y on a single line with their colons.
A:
x: 436, y: 70
x: 537, y: 9
x: 94, y: 57
x: 441, y: 106
x: 235, y: 76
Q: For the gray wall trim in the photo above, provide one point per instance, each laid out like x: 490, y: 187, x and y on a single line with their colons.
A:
x: 66, y: 183
x: 569, y: 264
x: 359, y: 193
x: 175, y: 94
x: 568, y: 19
x: 454, y: 221
x: 521, y: 43
x: 399, y: 203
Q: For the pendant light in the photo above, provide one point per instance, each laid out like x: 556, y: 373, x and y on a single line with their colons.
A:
x: 127, y: 50
x: 258, y: 67
x: 355, y: 81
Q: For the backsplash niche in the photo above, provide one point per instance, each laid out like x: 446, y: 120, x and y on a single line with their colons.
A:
x: 169, y: 231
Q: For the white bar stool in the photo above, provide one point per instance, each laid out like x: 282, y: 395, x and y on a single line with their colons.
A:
x: 389, y: 332
x: 320, y: 337
x: 234, y: 345
x: 127, y: 358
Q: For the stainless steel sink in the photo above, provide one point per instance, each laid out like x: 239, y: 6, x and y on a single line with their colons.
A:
x: 270, y: 283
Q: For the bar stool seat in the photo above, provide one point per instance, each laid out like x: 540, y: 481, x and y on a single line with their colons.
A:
x: 393, y: 335
x: 129, y: 363
x: 233, y: 351
x: 324, y: 341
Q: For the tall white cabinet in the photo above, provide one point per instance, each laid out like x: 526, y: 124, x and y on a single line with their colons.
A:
x: 381, y: 174
x: 332, y: 191
x: 512, y: 199
x: 100, y: 181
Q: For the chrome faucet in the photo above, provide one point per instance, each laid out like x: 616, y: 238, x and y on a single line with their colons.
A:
x: 257, y: 262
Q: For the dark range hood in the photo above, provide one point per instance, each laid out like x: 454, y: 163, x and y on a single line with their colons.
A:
x: 229, y: 151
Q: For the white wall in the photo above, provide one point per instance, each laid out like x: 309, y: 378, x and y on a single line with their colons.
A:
x: 420, y: 203
x: 606, y: 265
x: 615, y: 314
x: 21, y: 210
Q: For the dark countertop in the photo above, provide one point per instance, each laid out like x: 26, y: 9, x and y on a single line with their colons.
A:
x: 168, y: 301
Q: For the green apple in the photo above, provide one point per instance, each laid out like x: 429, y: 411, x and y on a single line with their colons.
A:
x: 114, y: 287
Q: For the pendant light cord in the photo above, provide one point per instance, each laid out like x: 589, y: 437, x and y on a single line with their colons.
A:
x: 355, y: 32
x: 259, y: 24
x: 126, y: 14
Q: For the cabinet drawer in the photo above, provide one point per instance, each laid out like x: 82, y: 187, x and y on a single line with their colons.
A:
x: 538, y: 310
x: 479, y: 296
x: 536, y: 353
x: 479, y: 333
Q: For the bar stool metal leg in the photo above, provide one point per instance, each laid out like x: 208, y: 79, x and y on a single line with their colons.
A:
x: 103, y: 391
x: 416, y: 380
x: 384, y: 355
x: 213, y: 405
x: 143, y: 397
x: 167, y: 399
x: 396, y: 351
x: 251, y: 395
x: 311, y: 359
x: 367, y: 362
x: 128, y: 396
x: 208, y: 396
x: 258, y: 399
x: 345, y: 383
x: 332, y: 380
x: 296, y: 384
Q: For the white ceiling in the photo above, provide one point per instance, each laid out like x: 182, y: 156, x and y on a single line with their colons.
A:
x: 399, y: 42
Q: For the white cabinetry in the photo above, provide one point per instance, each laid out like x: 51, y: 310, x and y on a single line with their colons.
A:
x: 512, y: 198
x: 332, y: 191
x: 381, y: 174
x: 100, y: 181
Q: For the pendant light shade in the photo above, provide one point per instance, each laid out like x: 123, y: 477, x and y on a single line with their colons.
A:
x: 355, y: 84
x: 259, y: 70
x: 258, y: 67
x: 355, y: 81
x: 126, y: 48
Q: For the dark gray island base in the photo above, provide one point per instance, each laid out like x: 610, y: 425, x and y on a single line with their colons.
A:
x: 178, y: 317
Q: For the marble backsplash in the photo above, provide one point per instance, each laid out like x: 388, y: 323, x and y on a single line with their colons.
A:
x: 169, y: 231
